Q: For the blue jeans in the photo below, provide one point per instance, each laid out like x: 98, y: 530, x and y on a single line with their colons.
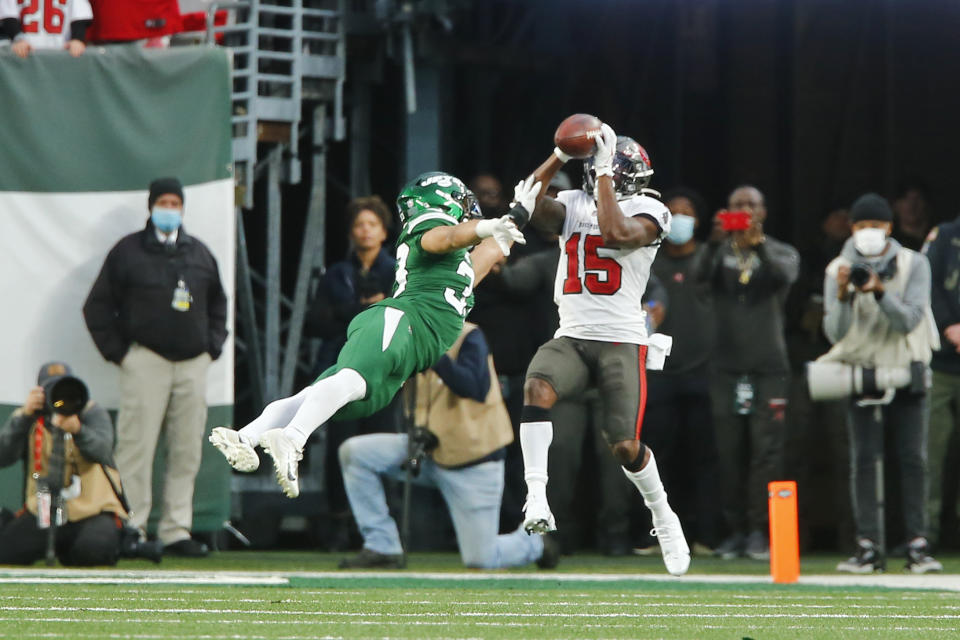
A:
x: 472, y: 494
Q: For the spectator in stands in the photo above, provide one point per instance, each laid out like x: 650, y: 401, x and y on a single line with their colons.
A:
x: 347, y: 288
x: 943, y: 252
x: 678, y: 423
x: 45, y: 25
x: 120, y: 21
x: 158, y: 310
x: 489, y: 191
x: 750, y: 274
x: 911, y: 214
x: 458, y: 401
x: 75, y: 452
x: 877, y: 299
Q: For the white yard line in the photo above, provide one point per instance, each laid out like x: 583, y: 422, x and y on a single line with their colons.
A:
x: 273, y: 578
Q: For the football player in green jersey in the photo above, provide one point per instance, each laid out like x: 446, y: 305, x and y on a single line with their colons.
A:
x: 443, y: 251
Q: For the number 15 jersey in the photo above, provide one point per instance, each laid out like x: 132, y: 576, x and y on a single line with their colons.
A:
x: 598, y: 290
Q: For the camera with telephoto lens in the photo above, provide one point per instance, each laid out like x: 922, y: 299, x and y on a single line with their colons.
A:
x: 65, y: 395
x: 131, y: 546
x: 420, y: 442
x: 860, y: 274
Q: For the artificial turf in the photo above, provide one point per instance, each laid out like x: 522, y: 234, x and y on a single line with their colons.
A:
x: 450, y: 603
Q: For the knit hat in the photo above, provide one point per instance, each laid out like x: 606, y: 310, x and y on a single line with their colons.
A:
x: 871, y: 206
x: 160, y: 186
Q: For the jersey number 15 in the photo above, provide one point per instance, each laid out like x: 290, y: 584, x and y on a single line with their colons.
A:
x: 601, y: 276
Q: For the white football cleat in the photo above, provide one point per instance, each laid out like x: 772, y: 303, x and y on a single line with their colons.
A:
x: 673, y: 546
x: 235, y: 449
x: 285, y: 456
x: 538, y: 517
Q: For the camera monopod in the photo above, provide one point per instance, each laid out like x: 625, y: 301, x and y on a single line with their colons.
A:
x: 65, y: 396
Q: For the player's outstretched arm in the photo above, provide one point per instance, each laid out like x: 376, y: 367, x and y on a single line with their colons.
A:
x: 549, y: 214
x: 618, y: 231
x: 467, y: 234
x: 483, y: 257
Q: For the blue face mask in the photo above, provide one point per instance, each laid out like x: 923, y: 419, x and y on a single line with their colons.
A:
x: 681, y: 229
x: 166, y: 220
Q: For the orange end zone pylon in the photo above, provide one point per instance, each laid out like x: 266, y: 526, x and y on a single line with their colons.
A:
x: 784, y: 537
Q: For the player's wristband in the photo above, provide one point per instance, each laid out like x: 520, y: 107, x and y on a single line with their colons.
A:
x: 519, y: 214
x: 563, y: 157
x: 605, y: 171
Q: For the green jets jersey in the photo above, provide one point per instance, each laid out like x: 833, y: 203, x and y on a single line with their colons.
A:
x: 441, y: 285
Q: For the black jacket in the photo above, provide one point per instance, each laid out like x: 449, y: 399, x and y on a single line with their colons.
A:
x: 338, y: 296
x: 131, y: 300
x: 943, y: 252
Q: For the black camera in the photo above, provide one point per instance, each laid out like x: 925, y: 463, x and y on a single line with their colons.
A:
x: 420, y: 442
x: 131, y: 546
x: 860, y: 274
x: 65, y: 395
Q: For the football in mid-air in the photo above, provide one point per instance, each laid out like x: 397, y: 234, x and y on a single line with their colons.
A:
x: 575, y: 135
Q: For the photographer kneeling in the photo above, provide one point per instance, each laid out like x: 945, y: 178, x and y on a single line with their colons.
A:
x: 467, y: 428
x: 68, y: 442
x: 877, y: 314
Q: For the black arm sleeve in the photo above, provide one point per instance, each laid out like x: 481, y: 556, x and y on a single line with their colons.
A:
x: 9, y: 28
x: 95, y: 438
x: 468, y: 376
x: 946, y: 307
x: 78, y: 29
x: 13, y: 438
x: 217, y: 314
x: 101, y: 312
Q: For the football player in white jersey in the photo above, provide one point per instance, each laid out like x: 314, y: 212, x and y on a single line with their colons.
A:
x: 46, y: 24
x: 609, y: 235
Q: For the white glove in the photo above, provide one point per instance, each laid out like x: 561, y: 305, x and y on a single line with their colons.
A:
x: 525, y: 194
x: 606, y: 148
x: 563, y: 157
x: 503, y: 230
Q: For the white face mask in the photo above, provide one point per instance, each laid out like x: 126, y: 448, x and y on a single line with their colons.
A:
x: 870, y: 241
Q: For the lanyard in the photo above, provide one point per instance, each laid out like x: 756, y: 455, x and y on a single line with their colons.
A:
x: 38, y: 446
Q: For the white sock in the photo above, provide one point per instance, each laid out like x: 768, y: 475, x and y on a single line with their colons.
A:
x: 275, y: 415
x: 647, y: 480
x: 324, y: 398
x: 535, y: 439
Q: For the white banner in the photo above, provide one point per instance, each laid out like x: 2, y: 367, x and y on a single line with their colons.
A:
x: 53, y: 245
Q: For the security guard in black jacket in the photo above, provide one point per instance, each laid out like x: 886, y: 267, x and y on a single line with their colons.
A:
x: 159, y: 311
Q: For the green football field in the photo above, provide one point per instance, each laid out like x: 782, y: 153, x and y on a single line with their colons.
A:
x: 301, y: 595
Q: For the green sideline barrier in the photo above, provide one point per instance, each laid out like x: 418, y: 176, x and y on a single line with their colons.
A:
x: 211, y: 496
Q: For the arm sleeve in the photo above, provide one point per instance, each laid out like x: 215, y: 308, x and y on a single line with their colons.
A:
x: 78, y: 29
x: 837, y: 315
x: 9, y: 28
x: 656, y: 292
x: 217, y: 314
x: 526, y: 275
x: 781, y: 264
x: 101, y: 312
x: 906, y: 312
x: 95, y: 438
x: 328, y: 319
x: 13, y: 438
x: 945, y: 304
x: 707, y: 266
x: 468, y: 376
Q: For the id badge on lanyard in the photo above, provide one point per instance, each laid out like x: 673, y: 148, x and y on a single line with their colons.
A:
x: 181, y: 296
x: 743, y: 396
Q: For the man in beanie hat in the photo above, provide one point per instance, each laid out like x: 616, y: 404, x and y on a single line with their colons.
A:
x: 158, y: 310
x: 877, y: 315
x: 89, y: 532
